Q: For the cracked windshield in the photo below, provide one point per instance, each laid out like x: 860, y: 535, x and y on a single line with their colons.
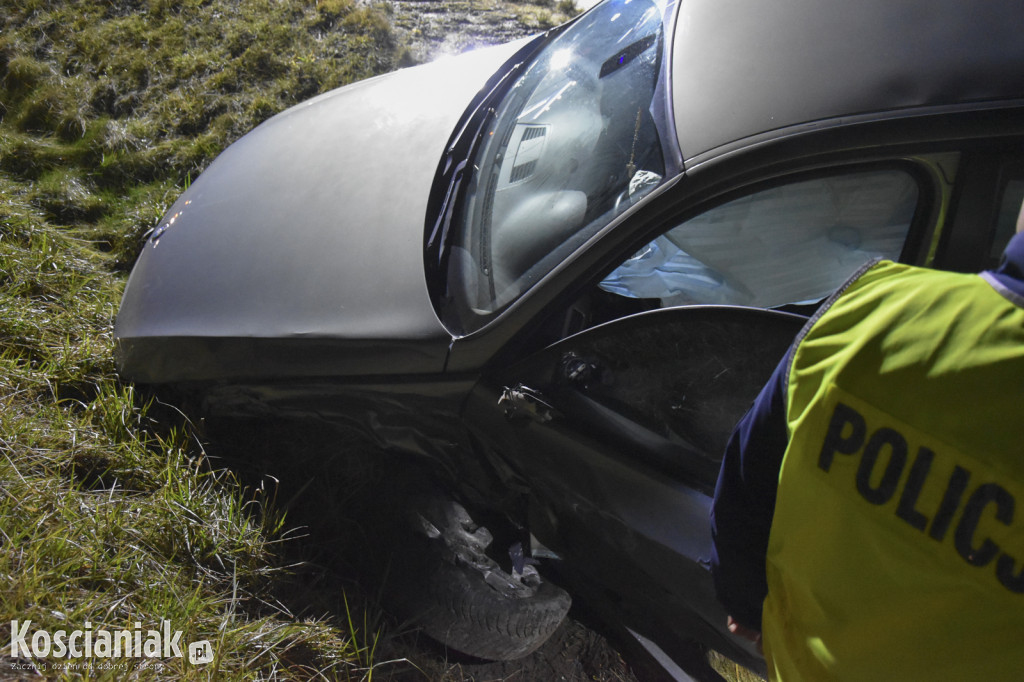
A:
x: 572, y: 144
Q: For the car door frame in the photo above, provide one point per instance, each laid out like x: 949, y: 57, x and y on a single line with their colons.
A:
x: 600, y: 486
x: 524, y: 329
x: 527, y: 324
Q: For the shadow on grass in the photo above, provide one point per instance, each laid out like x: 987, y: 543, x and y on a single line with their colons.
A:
x: 346, y: 495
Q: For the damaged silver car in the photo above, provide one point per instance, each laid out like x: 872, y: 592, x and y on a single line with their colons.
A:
x: 555, y: 273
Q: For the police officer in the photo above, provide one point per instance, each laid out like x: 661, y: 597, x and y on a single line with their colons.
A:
x: 869, y: 514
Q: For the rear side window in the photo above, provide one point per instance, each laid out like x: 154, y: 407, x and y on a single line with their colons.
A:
x: 790, y: 244
x: 1006, y: 220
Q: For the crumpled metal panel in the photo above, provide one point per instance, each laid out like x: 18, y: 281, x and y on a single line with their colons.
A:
x: 309, y: 227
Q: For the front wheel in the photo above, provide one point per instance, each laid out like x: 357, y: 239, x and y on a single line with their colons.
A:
x: 461, y: 597
x: 462, y: 610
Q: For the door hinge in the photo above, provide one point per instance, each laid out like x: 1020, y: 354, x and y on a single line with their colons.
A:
x: 523, y: 402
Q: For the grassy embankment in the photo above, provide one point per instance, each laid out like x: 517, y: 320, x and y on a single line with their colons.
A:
x: 110, y: 512
x: 108, y: 515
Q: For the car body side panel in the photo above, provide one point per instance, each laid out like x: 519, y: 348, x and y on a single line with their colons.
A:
x: 801, y: 61
x: 617, y: 432
x: 308, y: 228
x: 418, y: 418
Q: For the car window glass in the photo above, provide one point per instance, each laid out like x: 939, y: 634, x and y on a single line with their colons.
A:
x: 1006, y: 220
x: 787, y: 245
x: 571, y: 145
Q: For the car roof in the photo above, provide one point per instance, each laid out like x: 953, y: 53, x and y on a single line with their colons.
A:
x: 743, y: 68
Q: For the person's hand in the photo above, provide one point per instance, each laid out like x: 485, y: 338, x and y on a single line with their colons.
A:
x: 744, y: 632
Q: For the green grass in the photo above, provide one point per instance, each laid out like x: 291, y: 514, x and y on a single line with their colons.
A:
x: 110, y: 511
x: 110, y: 516
x: 732, y: 671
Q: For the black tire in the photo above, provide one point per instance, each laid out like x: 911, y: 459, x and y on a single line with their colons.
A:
x: 459, y: 609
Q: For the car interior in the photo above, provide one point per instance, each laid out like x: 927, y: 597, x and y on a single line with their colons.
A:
x: 789, y: 244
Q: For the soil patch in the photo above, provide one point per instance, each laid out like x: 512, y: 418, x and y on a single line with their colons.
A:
x: 436, y: 28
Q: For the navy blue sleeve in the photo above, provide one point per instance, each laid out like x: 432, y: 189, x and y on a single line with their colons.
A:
x: 1011, y: 269
x: 744, y: 504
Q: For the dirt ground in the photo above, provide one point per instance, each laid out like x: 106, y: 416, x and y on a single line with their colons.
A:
x: 574, y: 653
x: 435, y: 28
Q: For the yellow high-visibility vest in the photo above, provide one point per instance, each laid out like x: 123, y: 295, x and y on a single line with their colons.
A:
x: 897, y: 546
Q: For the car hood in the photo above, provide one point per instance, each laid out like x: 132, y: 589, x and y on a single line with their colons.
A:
x: 309, y: 227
